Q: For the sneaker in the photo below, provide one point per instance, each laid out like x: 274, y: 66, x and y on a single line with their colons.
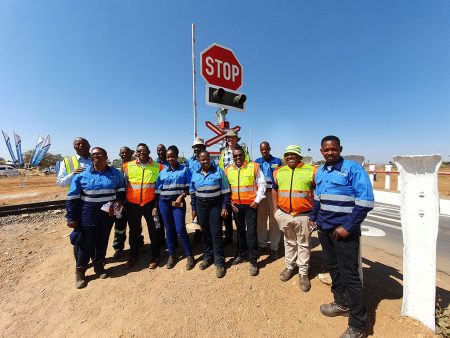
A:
x: 131, y: 262
x: 170, y: 262
x: 190, y: 263
x: 238, y: 260
x: 273, y: 255
x: 333, y: 310
x: 352, y: 333
x: 254, y: 270
x: 287, y: 274
x: 205, y: 264
x: 220, y: 271
x: 304, y: 283
x: 118, y: 254
x: 154, y: 263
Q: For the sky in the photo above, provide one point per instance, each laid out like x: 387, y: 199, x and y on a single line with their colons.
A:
x: 374, y: 73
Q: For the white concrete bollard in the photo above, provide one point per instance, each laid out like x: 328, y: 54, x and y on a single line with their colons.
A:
x: 420, y: 223
x: 399, y: 181
x: 371, y: 174
x: 387, y: 181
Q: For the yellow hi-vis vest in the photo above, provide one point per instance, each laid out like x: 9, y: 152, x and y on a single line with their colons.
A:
x: 71, y: 163
x: 141, y: 181
x: 242, y: 182
x: 295, y: 188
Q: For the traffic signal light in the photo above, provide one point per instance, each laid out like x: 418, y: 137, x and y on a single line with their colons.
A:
x: 219, y: 97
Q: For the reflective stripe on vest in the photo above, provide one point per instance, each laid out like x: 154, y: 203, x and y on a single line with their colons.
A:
x: 242, y: 182
x: 141, y: 182
x: 295, y: 188
x: 71, y: 163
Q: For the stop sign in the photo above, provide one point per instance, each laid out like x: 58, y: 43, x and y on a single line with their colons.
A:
x: 220, y: 67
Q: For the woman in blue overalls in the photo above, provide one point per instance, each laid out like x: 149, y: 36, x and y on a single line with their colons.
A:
x: 172, y: 186
x: 94, y: 196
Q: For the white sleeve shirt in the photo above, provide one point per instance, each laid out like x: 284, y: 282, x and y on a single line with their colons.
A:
x: 261, y: 184
x: 64, y: 179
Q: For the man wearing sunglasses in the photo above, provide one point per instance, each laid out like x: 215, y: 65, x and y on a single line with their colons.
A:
x: 248, y: 188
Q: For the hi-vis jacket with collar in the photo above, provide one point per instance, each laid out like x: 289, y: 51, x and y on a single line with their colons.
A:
x: 295, y: 188
x: 141, y: 181
x: 247, y: 183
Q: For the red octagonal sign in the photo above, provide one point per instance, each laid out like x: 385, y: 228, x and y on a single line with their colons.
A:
x: 220, y: 67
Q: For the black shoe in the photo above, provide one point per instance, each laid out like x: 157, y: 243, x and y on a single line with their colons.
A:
x: 333, y: 310
x: 352, y: 333
x: 190, y: 263
x: 118, y: 254
x: 238, y: 260
x: 170, y: 262
x: 205, y: 264
x: 254, y: 270
x: 304, y: 283
x: 287, y: 274
x: 273, y: 255
x: 131, y: 262
x: 220, y: 271
x: 99, y: 270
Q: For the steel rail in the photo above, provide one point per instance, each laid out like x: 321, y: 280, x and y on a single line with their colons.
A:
x: 28, y: 208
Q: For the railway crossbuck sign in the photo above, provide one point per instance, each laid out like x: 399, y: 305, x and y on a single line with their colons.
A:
x: 221, y: 68
x: 220, y: 134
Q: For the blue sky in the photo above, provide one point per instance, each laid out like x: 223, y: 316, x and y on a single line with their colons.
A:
x: 374, y: 73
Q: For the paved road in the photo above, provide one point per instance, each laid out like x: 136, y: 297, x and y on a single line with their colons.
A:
x: 382, y: 229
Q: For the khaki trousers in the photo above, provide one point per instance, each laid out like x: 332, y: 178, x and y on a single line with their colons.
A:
x: 297, y: 240
x: 265, y: 210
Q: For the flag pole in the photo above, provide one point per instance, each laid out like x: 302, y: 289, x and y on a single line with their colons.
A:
x: 194, y: 83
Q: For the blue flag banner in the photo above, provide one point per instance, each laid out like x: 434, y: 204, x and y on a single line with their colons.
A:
x: 8, y: 144
x: 45, y: 147
x: 36, y: 150
x: 19, y: 148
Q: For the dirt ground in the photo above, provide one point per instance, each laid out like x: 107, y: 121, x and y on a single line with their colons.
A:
x: 38, y: 297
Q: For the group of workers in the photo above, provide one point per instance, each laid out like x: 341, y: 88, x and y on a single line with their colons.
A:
x: 265, y: 198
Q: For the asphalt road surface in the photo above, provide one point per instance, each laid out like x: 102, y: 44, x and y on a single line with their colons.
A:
x: 382, y: 229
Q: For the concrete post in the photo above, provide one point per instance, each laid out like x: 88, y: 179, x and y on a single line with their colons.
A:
x: 420, y: 223
x: 371, y: 174
x: 387, y: 181
x: 399, y: 182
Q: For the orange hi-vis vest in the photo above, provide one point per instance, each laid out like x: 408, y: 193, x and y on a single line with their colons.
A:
x: 295, y: 187
x: 243, y: 182
x: 141, y: 181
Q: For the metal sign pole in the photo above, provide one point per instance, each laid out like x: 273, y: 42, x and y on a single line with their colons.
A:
x: 194, y: 83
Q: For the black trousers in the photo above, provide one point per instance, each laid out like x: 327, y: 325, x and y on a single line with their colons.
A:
x: 208, y: 213
x: 120, y: 232
x: 135, y: 213
x: 247, y: 237
x: 342, y: 257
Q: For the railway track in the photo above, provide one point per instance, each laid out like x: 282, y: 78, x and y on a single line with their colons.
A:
x: 29, y: 208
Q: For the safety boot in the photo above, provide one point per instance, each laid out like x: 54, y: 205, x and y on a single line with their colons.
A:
x: 99, y: 269
x: 80, y: 279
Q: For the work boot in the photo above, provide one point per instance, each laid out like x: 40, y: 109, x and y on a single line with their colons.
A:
x: 80, y: 279
x: 170, y: 262
x: 352, y: 333
x: 99, y: 269
x: 273, y: 255
x: 205, y: 264
x: 304, y: 283
x: 220, y: 271
x: 154, y: 263
x: 287, y: 274
x: 190, y: 263
x: 131, y: 262
x: 254, y: 270
x: 333, y: 310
